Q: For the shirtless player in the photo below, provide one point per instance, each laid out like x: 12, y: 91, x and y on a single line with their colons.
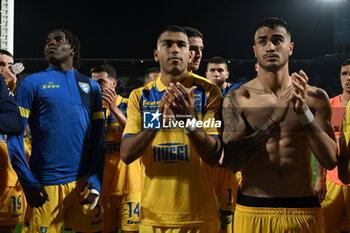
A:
x: 271, y: 125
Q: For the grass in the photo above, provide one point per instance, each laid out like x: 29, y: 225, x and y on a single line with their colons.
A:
x: 19, y: 229
x: 313, y: 164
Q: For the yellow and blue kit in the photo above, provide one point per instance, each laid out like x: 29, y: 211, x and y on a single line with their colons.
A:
x: 176, y: 185
x: 10, y: 117
x: 66, y: 119
x: 230, y: 88
x: 120, y: 196
x: 118, y: 178
x: 226, y: 185
x: 12, y: 200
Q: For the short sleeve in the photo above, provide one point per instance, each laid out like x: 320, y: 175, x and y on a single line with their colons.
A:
x: 134, y: 122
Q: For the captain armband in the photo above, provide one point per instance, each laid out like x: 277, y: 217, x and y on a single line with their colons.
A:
x: 306, y: 117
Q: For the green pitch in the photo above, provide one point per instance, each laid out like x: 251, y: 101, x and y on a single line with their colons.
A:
x: 19, y: 228
x: 313, y: 164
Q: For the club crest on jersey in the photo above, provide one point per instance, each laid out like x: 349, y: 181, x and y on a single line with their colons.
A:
x: 85, y: 87
x: 197, y: 100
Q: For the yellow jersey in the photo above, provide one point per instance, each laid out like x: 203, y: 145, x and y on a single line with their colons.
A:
x: 177, y: 188
x: 118, y: 178
x: 8, y: 176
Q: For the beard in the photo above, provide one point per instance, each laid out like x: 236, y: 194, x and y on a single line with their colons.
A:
x: 273, y: 66
x: 56, y: 59
x: 193, y: 66
x: 175, y: 70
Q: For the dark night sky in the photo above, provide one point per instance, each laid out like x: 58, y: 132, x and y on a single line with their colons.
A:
x: 108, y: 29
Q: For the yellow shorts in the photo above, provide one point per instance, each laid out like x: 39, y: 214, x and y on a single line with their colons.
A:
x: 226, y: 191
x: 278, y: 220
x: 205, y: 228
x: 227, y: 196
x: 64, y: 205
x: 299, y: 214
x: 121, y: 211
x: 12, y: 205
x: 336, y: 207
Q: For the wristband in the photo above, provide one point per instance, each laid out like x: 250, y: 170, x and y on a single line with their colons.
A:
x: 306, y: 117
x: 190, y: 127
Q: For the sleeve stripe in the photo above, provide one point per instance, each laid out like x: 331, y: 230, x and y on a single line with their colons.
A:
x: 127, y: 134
x: 24, y: 112
x: 98, y: 116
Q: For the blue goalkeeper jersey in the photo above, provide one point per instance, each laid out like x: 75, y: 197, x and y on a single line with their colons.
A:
x: 66, y: 119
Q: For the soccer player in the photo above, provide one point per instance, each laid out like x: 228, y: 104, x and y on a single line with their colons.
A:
x: 271, y: 125
x: 334, y: 193
x: 196, y: 47
x: 64, y: 110
x: 121, y: 187
x: 218, y: 73
x: 13, y: 204
x: 10, y: 117
x: 227, y: 181
x: 177, y: 193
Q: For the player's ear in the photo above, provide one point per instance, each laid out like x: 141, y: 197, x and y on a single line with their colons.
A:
x: 291, y: 47
x: 191, y: 56
x: 72, y: 51
x: 254, y: 49
x: 155, y: 54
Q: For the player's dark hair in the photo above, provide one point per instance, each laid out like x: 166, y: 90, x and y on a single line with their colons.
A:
x: 345, y: 63
x: 109, y: 69
x: 5, y: 52
x: 152, y: 70
x: 217, y: 60
x: 273, y: 23
x: 192, y: 32
x: 74, y: 43
x: 171, y: 28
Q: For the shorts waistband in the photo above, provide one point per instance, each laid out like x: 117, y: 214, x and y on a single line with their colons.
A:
x: 240, y: 209
x: 279, y: 202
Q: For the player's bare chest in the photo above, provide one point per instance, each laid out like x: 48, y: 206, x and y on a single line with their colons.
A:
x: 257, y: 111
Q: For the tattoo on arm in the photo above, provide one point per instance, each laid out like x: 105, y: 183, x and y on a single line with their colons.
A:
x: 230, y: 115
x: 238, y: 136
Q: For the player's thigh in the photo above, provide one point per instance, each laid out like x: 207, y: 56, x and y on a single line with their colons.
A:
x: 333, y: 207
x: 79, y: 218
x: 13, y: 206
x: 49, y: 217
x: 130, y: 211
x: 203, y: 228
x: 111, y: 212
